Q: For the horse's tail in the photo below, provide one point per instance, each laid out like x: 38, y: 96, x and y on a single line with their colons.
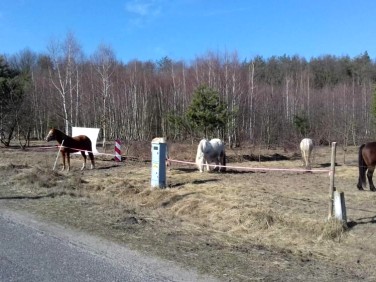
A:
x: 362, y: 169
x: 200, y: 156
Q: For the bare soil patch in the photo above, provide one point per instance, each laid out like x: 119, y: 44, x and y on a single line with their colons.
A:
x: 241, y: 225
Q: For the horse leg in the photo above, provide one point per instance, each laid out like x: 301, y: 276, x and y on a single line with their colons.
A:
x: 68, y: 160
x: 216, y: 167
x: 362, y: 169
x: 369, y: 176
x: 92, y: 160
x: 207, y: 165
x: 223, y: 162
x: 84, y: 162
x: 63, y: 157
x: 201, y: 167
x: 360, y: 185
x: 309, y: 159
x: 303, y: 157
x: 308, y: 162
x: 362, y: 178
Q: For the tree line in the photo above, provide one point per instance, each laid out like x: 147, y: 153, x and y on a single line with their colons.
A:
x: 268, y: 101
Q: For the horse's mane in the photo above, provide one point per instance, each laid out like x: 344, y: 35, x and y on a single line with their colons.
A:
x: 80, y: 142
x: 59, y: 135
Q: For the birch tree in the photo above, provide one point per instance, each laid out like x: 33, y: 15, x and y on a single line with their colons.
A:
x: 104, y: 59
x: 63, y: 75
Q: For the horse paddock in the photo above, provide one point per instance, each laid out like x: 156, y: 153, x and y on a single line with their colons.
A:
x: 239, y: 225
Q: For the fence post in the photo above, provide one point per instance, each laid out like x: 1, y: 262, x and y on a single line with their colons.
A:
x: 332, y: 173
x: 58, y: 153
x: 117, y: 150
x: 340, y: 207
x: 158, y: 162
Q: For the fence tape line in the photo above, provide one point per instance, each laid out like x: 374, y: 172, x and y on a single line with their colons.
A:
x: 44, y: 147
x: 226, y: 166
x: 79, y: 150
x: 61, y: 146
x: 258, y: 168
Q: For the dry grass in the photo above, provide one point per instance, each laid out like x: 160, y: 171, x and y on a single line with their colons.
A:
x: 235, y: 215
x: 333, y: 230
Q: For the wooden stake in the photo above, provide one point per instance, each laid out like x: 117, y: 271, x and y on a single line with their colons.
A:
x: 340, y: 207
x: 332, y: 173
x: 58, y: 153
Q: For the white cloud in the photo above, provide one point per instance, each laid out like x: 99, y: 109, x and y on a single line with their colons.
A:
x: 142, y: 12
x: 144, y: 8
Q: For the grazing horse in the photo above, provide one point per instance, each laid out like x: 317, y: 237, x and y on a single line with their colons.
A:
x: 306, y: 147
x: 211, y: 151
x: 367, y: 162
x: 69, y: 145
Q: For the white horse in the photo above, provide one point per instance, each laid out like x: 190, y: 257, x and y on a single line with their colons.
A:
x: 211, y: 151
x: 306, y: 147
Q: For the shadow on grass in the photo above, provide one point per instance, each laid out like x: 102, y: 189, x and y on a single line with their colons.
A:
x: 185, y: 169
x: 327, y: 165
x: 202, y: 181
x: 228, y: 171
x: 50, y: 195
x: 362, y: 220
x: 262, y: 158
x: 175, y: 199
x: 107, y: 167
x: 233, y: 171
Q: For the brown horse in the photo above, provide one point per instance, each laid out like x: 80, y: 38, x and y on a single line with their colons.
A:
x: 69, y: 145
x: 367, y: 163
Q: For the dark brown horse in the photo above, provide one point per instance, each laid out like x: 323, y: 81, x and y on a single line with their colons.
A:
x: 69, y: 145
x: 367, y: 163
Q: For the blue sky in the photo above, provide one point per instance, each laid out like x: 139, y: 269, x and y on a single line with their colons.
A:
x: 186, y: 29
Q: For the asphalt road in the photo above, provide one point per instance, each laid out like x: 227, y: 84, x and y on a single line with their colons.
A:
x: 33, y: 250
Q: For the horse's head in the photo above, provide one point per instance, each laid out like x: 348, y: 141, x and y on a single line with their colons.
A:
x: 51, y: 135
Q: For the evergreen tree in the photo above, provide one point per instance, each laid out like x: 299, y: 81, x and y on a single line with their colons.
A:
x: 207, y: 113
x: 12, y: 89
x: 301, y: 124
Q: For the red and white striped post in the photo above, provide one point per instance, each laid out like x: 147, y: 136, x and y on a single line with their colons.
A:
x: 117, y: 150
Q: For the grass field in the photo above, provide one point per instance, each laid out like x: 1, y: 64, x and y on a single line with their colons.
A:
x: 241, y: 225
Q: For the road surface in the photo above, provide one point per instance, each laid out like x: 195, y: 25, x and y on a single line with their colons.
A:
x: 33, y: 250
